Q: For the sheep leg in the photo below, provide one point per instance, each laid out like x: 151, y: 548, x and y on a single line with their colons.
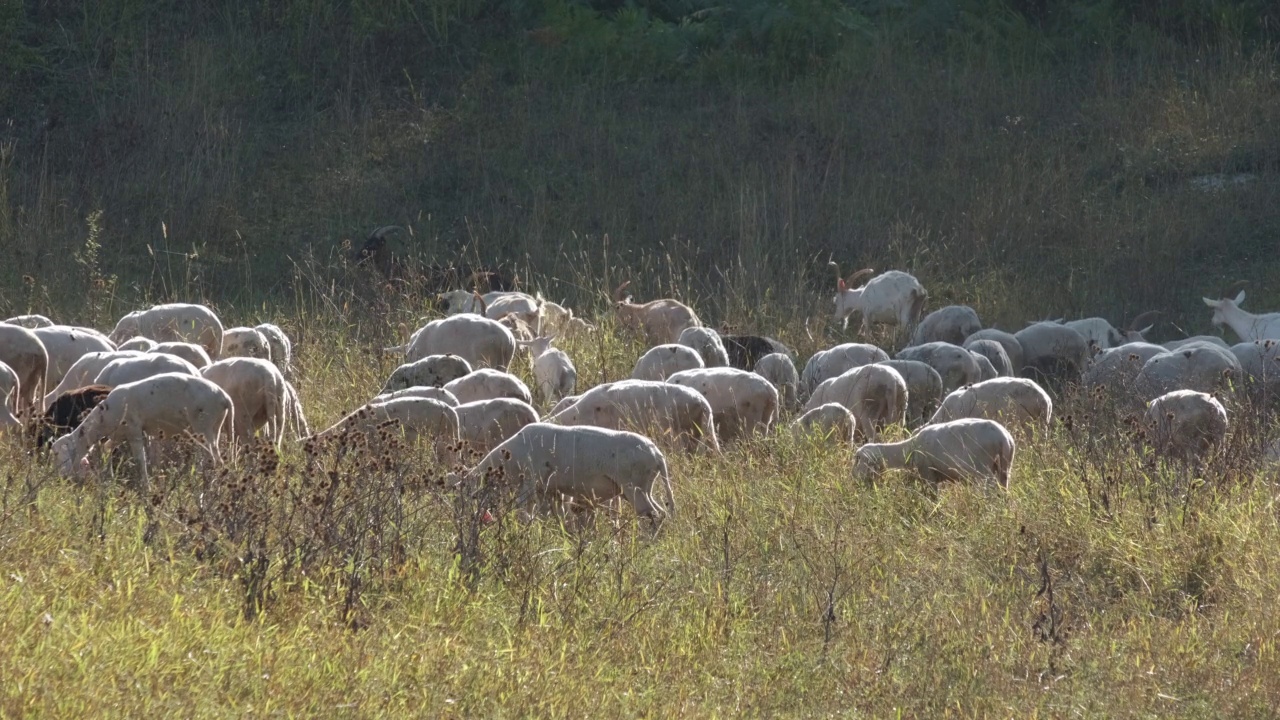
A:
x: 138, y: 444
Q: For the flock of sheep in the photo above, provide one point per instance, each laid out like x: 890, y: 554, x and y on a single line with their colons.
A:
x: 964, y: 391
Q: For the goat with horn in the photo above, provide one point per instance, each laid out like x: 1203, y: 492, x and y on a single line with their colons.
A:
x: 890, y: 298
x: 1250, y: 327
x: 661, y: 321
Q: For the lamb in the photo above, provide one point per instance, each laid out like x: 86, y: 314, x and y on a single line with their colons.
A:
x: 65, y: 344
x: 245, y: 342
x: 23, y: 352
x: 659, y: 362
x: 924, y: 389
x: 661, y: 321
x: 30, y: 322
x: 1116, y: 369
x: 431, y: 393
x: 745, y: 351
x: 1011, y: 346
x: 487, y: 384
x: 994, y: 353
x: 192, y: 353
x: 83, y: 371
x: 955, y: 365
x: 742, y: 403
x: 1186, y: 425
x: 890, y: 298
x: 257, y: 391
x: 170, y: 403
x: 122, y: 371
x: 484, y: 424
x: 875, y: 394
x: 67, y: 411
x: 974, y: 449
x: 174, y: 322
x: 280, y: 346
x: 950, y: 324
x: 656, y: 408
x: 9, y: 391
x: 1198, y: 366
x: 482, y: 342
x: 590, y: 464
x: 138, y: 343
x: 831, y: 420
x: 707, y: 344
x: 417, y: 418
x: 430, y: 371
x: 778, y: 369
x: 1014, y: 402
x: 1052, y: 353
x: 826, y: 364
x: 553, y: 370
x: 1227, y: 312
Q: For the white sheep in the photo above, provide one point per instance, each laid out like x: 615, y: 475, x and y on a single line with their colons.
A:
x: 520, y: 330
x: 1194, y: 339
x: 171, y: 403
x: 832, y: 362
x: 487, y: 384
x: 483, y: 424
x: 1014, y: 402
x: 742, y: 403
x: 1186, y: 425
x: 280, y: 345
x: 1227, y: 312
x: 457, y: 302
x: 23, y: 352
x: 30, y: 322
x: 986, y: 371
x: 778, y: 369
x: 520, y: 305
x: 924, y: 389
x: 257, y: 391
x: 658, y: 409
x: 84, y: 370
x: 431, y: 393
x: 1116, y: 369
x: 191, y: 352
x: 875, y: 394
x: 564, y: 404
x: 1260, y: 368
x: 973, y: 449
x: 553, y: 370
x: 1101, y: 333
x: 660, y: 321
x: 1011, y: 346
x: 994, y: 353
x: 10, y: 387
x: 173, y: 322
x: 950, y: 324
x: 66, y: 344
x: 122, y: 371
x: 482, y: 342
x: 707, y: 344
x: 294, y: 416
x: 138, y: 343
x: 245, y: 342
x: 890, y: 298
x: 415, y: 419
x: 659, y: 362
x: 1197, y: 366
x: 1053, y: 352
x: 430, y: 371
x: 955, y: 365
x: 831, y: 420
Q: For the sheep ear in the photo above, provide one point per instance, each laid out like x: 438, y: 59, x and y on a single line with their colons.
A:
x: 1239, y: 298
x: 1210, y: 303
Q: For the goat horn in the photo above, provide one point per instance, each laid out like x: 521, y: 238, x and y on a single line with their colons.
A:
x: 858, y: 275
x: 833, y: 264
x: 617, y: 294
x: 484, y: 308
x: 1234, y: 288
x: 384, y: 230
x: 1144, y: 317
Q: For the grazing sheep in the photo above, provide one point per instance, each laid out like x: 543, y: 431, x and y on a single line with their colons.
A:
x: 875, y: 394
x: 986, y: 371
x: 482, y: 342
x: 520, y: 330
x: 973, y: 449
x: 994, y: 353
x: 1186, y: 425
x: 294, y: 417
x: 1197, y: 366
x: 30, y: 322
x: 171, y: 403
x: 23, y: 352
x: 553, y: 370
x: 1260, y: 368
x: 565, y: 402
x: 456, y: 302
x: 487, y: 384
x: 707, y: 344
x: 245, y: 342
x: 484, y: 424
x: 1098, y: 332
x: 67, y: 411
x: 66, y: 344
x: 659, y: 362
x: 742, y: 403
x: 174, y: 322
x: 83, y: 371
x: 10, y: 387
x: 1210, y: 339
x: 1052, y: 354
x: 431, y: 393
x: 519, y: 305
x: 190, y: 352
x: 1116, y: 369
x: 660, y: 321
x: 589, y: 464
x: 122, y: 371
x: 890, y: 298
x: 257, y: 391
x: 1011, y: 346
x: 950, y: 324
x: 745, y: 351
x: 1014, y: 402
x: 831, y: 420
x: 659, y: 409
x: 430, y: 371
x: 1227, y: 313
x: 778, y: 369
x: 955, y: 365
x: 924, y: 389
x: 280, y: 346
x: 826, y: 364
x: 416, y: 418
x: 138, y: 343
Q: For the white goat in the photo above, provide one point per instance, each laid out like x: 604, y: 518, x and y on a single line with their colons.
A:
x: 778, y: 369
x: 1186, y: 425
x: 245, y: 342
x: 659, y: 362
x: 1014, y: 402
x: 430, y: 371
x: 742, y: 403
x: 875, y: 394
x: 826, y: 364
x: 708, y: 345
x: 192, y: 353
x: 174, y: 322
x: 659, y: 409
x: 487, y: 384
x: 23, y: 352
x: 660, y: 321
x: 1101, y: 333
x: 972, y: 449
x: 559, y: 321
x: 950, y: 324
x: 955, y: 365
x: 1227, y: 312
x: 890, y: 298
x: 831, y: 420
x: 924, y: 389
x: 480, y: 341
x: 553, y: 370
x: 257, y: 391
x: 484, y: 424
